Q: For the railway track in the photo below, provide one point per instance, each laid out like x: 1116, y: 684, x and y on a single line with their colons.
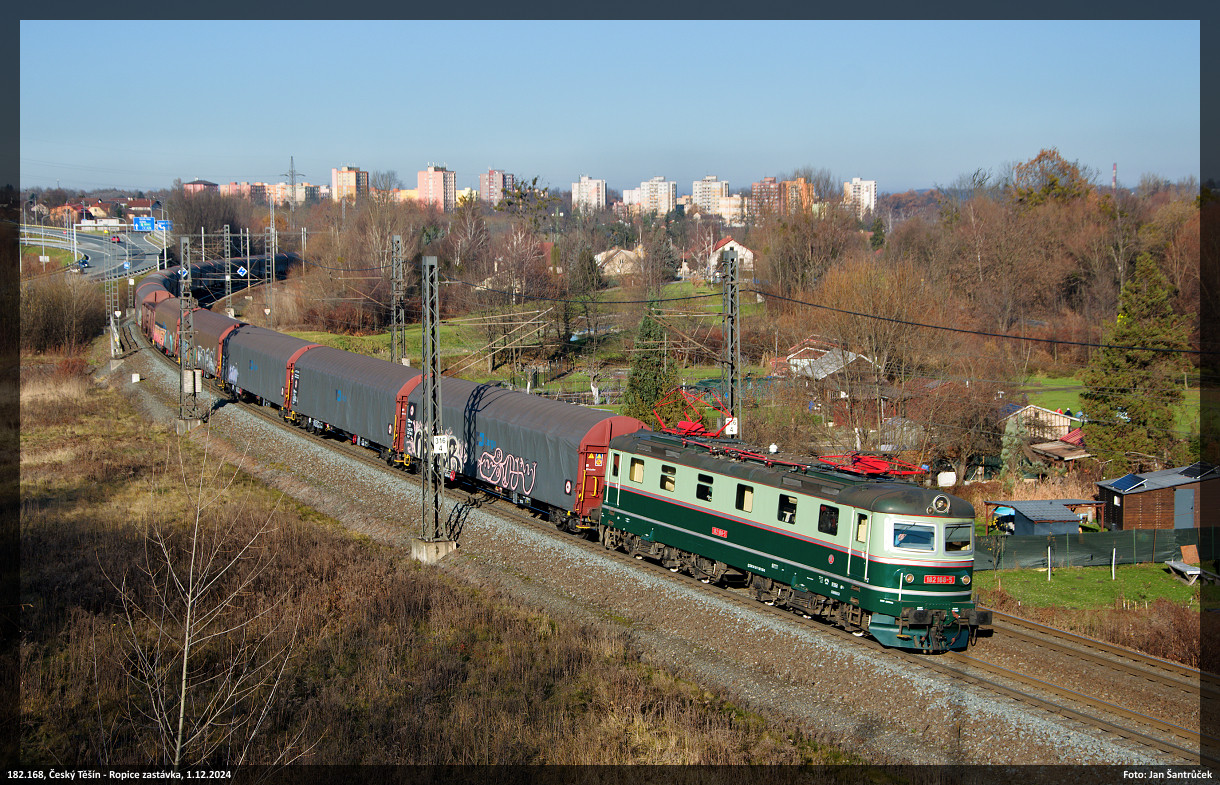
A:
x: 1157, y: 734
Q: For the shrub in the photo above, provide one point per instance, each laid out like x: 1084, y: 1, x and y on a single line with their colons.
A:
x: 63, y: 312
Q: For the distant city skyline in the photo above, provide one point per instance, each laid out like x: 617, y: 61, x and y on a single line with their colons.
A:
x: 910, y: 105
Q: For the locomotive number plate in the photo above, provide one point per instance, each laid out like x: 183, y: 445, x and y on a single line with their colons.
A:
x: 938, y: 579
x: 719, y: 532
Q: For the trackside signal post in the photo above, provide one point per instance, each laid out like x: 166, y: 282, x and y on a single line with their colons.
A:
x: 435, y: 541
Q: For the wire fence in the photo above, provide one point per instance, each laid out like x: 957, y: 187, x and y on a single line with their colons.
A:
x: 1090, y: 549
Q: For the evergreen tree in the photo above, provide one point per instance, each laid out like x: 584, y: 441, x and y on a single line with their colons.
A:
x: 651, y: 377
x: 878, y: 238
x: 1012, y: 453
x: 1130, y: 394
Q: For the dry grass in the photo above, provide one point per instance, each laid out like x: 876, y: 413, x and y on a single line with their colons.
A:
x: 1165, y: 629
x: 392, y: 662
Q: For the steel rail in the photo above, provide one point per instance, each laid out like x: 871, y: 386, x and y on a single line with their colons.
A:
x: 960, y: 670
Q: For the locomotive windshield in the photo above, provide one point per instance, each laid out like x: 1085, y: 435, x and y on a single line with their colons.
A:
x: 914, y: 536
x: 957, y: 537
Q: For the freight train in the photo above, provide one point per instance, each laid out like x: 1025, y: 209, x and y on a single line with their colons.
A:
x: 871, y: 554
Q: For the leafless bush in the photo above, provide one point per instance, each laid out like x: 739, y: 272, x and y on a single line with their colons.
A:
x: 61, y: 312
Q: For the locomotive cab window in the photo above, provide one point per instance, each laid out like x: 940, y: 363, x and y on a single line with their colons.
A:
x: 745, y: 498
x: 914, y: 536
x: 703, y: 491
x: 614, y: 465
x: 637, y: 470
x: 957, y: 537
x: 828, y: 519
x: 861, y: 528
x: 786, y: 513
x: 668, y: 478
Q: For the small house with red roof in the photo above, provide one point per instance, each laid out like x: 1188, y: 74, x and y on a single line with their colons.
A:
x: 745, y: 257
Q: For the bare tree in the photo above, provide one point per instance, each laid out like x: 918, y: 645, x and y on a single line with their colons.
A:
x: 201, y: 650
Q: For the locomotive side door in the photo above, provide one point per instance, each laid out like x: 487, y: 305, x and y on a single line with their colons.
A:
x: 857, y: 547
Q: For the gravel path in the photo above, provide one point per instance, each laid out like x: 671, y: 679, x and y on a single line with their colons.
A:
x: 854, y: 698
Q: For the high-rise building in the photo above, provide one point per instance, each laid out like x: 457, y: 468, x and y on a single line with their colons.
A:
x: 796, y: 196
x: 764, y: 195
x: 348, y: 183
x: 437, y: 186
x: 588, y: 194
x: 706, y: 193
x: 862, y: 194
x: 492, y: 185
x: 658, y: 195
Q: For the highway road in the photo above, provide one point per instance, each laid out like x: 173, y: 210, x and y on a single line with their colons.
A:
x: 106, y: 258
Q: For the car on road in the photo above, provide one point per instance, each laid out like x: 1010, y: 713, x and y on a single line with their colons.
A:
x: 83, y: 263
x: 114, y: 238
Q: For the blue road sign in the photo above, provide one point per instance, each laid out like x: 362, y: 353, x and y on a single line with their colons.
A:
x: 182, y: 272
x: 241, y: 271
x: 163, y: 226
x: 142, y: 223
x: 126, y: 265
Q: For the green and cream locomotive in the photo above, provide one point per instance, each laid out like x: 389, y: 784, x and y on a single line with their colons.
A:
x: 872, y: 554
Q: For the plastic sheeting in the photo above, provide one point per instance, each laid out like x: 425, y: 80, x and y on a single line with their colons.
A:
x: 1090, y: 549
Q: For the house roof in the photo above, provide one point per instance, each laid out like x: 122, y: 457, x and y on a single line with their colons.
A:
x: 728, y: 238
x: 1043, y: 510
x: 1061, y: 450
x: 1165, y: 478
x: 829, y: 363
x: 1009, y: 409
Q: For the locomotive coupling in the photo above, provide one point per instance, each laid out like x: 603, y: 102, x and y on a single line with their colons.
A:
x: 979, y: 618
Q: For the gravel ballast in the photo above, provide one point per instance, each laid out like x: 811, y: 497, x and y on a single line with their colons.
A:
x: 858, y: 699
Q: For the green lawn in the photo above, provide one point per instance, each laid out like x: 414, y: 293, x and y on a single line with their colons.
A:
x: 1063, y: 392
x: 1089, y: 587
x: 59, y: 257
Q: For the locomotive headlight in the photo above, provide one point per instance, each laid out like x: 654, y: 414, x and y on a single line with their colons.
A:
x: 965, y: 580
x: 909, y: 578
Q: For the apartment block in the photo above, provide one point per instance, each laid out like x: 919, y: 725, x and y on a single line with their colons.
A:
x: 492, y: 185
x: 588, y: 194
x: 348, y: 183
x: 437, y: 186
x: 796, y: 196
x: 706, y: 193
x: 862, y: 194
x: 658, y: 195
x: 764, y: 195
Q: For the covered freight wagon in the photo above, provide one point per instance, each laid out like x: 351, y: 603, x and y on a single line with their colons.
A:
x: 351, y: 392
x: 525, y: 445
x: 257, y: 361
x: 211, y: 330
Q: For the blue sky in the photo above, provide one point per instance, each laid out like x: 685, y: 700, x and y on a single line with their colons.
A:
x: 910, y: 104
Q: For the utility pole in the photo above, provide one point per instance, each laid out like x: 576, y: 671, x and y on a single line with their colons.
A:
x: 110, y: 278
x: 228, y: 273
x: 188, y: 391
x: 398, y: 316
x: 731, y: 375
x: 434, y: 543
x: 271, y: 244
x: 291, y: 174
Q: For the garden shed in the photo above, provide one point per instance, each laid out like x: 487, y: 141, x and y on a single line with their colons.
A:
x: 1165, y: 499
x: 1046, y: 516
